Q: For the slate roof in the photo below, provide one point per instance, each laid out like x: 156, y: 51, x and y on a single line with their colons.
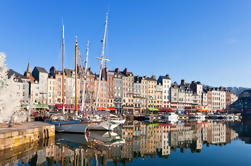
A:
x: 17, y: 75
x: 165, y: 77
x: 137, y: 79
x: 41, y: 69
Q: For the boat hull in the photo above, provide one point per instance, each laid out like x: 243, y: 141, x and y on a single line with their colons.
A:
x: 106, y: 138
x: 70, y: 126
x: 119, y: 121
x: 71, y: 139
x: 103, y: 126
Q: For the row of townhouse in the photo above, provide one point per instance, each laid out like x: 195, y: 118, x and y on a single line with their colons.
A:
x: 121, y: 90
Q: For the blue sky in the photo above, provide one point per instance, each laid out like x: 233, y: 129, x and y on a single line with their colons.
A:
x: 205, y: 40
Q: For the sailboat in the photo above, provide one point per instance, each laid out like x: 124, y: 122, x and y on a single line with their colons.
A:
x: 109, y: 122
x: 95, y: 121
x: 69, y: 125
x: 105, y: 138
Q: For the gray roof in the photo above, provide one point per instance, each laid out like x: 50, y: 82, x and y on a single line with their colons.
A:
x: 41, y: 69
x: 68, y: 72
x: 17, y: 75
x: 165, y: 77
x: 150, y: 79
x: 137, y: 79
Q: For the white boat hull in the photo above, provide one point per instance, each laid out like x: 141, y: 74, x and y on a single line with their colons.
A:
x: 118, y: 121
x: 106, y: 138
x: 105, y: 125
x: 172, y: 117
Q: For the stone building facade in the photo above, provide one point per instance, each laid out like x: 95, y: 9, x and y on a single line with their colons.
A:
x: 121, y: 90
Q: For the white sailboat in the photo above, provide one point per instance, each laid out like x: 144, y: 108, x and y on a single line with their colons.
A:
x: 171, y: 117
x: 109, y: 122
x: 103, y: 125
x: 105, y: 138
x: 69, y: 125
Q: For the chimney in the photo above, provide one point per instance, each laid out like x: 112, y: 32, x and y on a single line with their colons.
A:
x: 125, y: 70
x: 117, y: 70
x: 183, y: 82
x: 52, y: 71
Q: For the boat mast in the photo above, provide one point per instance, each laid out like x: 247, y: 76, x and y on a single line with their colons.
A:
x: 102, y: 59
x: 63, y: 110
x: 76, y: 82
x: 85, y: 74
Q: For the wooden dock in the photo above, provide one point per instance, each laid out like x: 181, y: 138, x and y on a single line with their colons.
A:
x: 24, y: 133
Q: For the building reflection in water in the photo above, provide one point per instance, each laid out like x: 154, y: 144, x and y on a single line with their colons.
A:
x: 134, y: 140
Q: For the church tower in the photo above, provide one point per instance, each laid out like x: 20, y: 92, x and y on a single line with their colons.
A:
x: 28, y: 71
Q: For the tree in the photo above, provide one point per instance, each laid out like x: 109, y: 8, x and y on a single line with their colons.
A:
x: 9, y: 100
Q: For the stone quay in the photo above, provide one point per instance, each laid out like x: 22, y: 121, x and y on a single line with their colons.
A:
x: 24, y: 133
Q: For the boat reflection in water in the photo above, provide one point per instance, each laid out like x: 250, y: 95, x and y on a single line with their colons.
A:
x: 136, y: 141
x: 104, y: 138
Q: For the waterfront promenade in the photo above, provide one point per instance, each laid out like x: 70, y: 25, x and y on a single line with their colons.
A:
x: 24, y: 133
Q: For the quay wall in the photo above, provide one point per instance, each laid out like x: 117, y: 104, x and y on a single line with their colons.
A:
x: 24, y: 134
x: 25, y: 152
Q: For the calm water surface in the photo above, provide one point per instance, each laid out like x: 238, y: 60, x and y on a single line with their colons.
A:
x: 140, y: 143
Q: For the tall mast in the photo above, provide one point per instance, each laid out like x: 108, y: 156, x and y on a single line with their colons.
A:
x: 102, y: 59
x: 63, y: 71
x: 76, y: 82
x: 85, y: 74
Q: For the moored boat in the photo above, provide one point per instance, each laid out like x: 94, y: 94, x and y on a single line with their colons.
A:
x: 172, y: 117
x: 69, y: 126
x: 104, y: 125
x: 107, y: 138
x: 198, y: 116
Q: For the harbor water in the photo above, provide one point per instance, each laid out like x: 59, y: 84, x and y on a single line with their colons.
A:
x: 143, y: 143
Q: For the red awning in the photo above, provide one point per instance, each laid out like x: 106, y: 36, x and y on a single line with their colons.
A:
x: 165, y: 109
x: 165, y: 124
x: 35, y: 114
x: 202, y: 110
x: 101, y: 108
x: 220, y: 110
x: 59, y: 106
x: 68, y: 107
x: 111, y: 108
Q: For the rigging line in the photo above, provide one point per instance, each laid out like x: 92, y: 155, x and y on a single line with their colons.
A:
x: 73, y: 57
x: 62, y: 24
x: 106, y: 41
x: 108, y: 6
x: 81, y: 63
x: 59, y: 53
